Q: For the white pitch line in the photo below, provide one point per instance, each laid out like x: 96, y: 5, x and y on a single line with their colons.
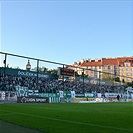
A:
x: 74, y: 122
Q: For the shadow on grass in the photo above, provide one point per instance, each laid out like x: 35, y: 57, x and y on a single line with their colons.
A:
x: 6, y: 127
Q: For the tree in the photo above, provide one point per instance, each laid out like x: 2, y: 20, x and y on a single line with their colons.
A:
x: 17, y: 67
x: 107, y: 76
x: 40, y: 69
x: 45, y: 70
x: 52, y: 71
x: 129, y: 84
x: 117, y: 79
x: 76, y: 74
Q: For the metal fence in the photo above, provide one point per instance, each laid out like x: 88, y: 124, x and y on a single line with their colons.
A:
x: 46, y: 71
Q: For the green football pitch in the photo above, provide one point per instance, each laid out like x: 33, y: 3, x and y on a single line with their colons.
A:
x: 70, y: 118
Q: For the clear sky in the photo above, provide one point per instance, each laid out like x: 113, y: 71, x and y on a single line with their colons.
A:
x: 66, y: 31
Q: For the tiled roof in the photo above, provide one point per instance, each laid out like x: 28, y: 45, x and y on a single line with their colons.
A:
x: 125, y: 59
x: 105, y: 61
x: 109, y: 61
x: 99, y: 63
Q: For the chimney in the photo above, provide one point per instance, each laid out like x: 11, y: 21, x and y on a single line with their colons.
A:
x: 82, y: 61
x: 89, y: 59
x: 96, y: 59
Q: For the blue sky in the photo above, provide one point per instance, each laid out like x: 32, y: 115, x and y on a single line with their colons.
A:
x: 66, y: 31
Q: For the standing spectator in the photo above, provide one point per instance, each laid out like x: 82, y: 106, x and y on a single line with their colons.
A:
x: 118, y: 97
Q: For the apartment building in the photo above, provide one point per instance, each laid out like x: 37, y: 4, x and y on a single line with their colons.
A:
x: 126, y: 69
x: 110, y: 65
x: 91, y: 67
x: 115, y: 66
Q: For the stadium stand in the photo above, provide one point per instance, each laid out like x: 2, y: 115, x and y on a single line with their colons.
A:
x: 8, y: 82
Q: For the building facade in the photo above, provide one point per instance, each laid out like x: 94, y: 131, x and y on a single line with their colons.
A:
x: 121, y: 67
x: 126, y: 69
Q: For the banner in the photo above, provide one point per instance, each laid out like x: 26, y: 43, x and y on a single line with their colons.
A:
x: 2, y: 95
x: 111, y: 95
x: 79, y: 95
x: 26, y: 73
x: 33, y: 92
x: 47, y: 95
x: 132, y: 95
x: 61, y: 94
x: 21, y: 91
x: 32, y: 100
x: 72, y: 94
x: 8, y: 96
x: 12, y: 96
x: 24, y: 91
x: 91, y: 95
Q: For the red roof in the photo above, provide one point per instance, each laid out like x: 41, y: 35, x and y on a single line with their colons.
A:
x: 92, y: 63
x: 110, y: 61
x: 125, y: 59
x: 106, y: 61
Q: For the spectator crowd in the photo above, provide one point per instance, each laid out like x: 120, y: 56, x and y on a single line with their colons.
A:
x: 46, y: 85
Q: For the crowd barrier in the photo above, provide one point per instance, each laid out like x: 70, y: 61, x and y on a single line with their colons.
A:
x: 23, y: 95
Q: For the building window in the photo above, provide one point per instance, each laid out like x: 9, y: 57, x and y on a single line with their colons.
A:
x: 99, y: 67
x: 126, y: 69
x: 127, y: 74
x: 89, y: 67
x: 126, y: 65
x: 108, y: 67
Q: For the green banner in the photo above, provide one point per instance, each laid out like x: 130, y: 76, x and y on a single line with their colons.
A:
x: 20, y: 72
x: 47, y: 95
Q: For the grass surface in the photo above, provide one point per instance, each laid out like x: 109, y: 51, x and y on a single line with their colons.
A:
x: 6, y: 127
x: 71, y: 118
